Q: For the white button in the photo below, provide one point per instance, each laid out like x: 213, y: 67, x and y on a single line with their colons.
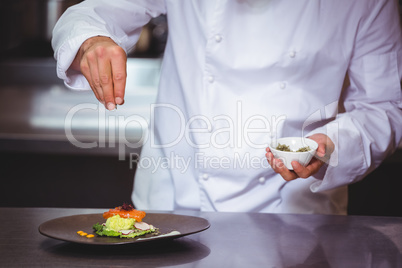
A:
x: 261, y: 180
x: 292, y: 54
x: 205, y: 177
x: 211, y: 79
x: 282, y: 85
x: 218, y: 38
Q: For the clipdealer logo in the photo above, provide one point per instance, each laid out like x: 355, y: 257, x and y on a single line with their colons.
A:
x: 111, y: 129
x: 237, y: 130
x: 199, y: 160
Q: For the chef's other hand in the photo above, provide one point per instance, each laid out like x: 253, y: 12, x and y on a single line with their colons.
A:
x: 324, y: 151
x: 103, y: 63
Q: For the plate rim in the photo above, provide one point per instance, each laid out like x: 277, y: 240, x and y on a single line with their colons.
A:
x: 125, y: 241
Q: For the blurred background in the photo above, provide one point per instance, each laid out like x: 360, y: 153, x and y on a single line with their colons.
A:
x: 41, y: 164
x: 92, y: 164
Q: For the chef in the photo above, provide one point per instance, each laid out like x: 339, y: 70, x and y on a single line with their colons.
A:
x: 238, y: 74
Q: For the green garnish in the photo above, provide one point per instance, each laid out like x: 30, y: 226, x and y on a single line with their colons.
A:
x: 285, y: 148
x: 304, y: 149
x: 102, y: 230
x: 121, y: 227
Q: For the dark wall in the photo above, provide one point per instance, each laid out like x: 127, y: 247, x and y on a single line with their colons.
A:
x: 58, y: 180
x: 380, y: 193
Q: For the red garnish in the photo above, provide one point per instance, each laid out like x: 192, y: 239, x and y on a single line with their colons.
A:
x: 125, y: 211
x: 127, y: 207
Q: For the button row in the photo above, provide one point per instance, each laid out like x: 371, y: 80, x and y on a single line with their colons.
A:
x: 211, y: 79
x: 292, y: 54
x: 218, y: 38
x: 205, y: 177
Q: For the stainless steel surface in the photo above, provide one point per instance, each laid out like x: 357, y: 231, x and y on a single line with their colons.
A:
x: 233, y: 240
x: 36, y: 106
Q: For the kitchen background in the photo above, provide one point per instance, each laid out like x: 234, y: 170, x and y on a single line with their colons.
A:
x: 41, y: 164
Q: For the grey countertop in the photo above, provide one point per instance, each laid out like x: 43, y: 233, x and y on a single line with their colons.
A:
x: 233, y: 240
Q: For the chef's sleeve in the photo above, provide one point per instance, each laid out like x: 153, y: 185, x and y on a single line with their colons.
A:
x: 370, y: 128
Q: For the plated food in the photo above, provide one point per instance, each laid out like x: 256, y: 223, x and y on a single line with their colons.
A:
x: 124, y: 222
x: 168, y: 226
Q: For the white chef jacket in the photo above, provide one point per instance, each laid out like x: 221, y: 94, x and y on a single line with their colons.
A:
x: 238, y: 74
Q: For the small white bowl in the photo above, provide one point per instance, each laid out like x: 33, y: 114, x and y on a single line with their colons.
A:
x: 294, y: 144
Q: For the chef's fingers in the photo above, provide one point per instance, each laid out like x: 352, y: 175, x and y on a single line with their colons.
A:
x: 119, y: 73
x: 321, y: 150
x: 305, y: 172
x: 270, y: 157
x: 89, y: 69
x: 105, y: 80
x: 325, y: 146
x: 323, y: 154
x: 298, y: 171
x: 103, y: 63
x: 279, y: 167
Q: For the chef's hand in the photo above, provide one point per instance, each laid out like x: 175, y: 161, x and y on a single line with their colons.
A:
x: 103, y: 63
x: 324, y: 151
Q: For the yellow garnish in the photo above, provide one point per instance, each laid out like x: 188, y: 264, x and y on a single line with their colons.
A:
x: 82, y: 233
